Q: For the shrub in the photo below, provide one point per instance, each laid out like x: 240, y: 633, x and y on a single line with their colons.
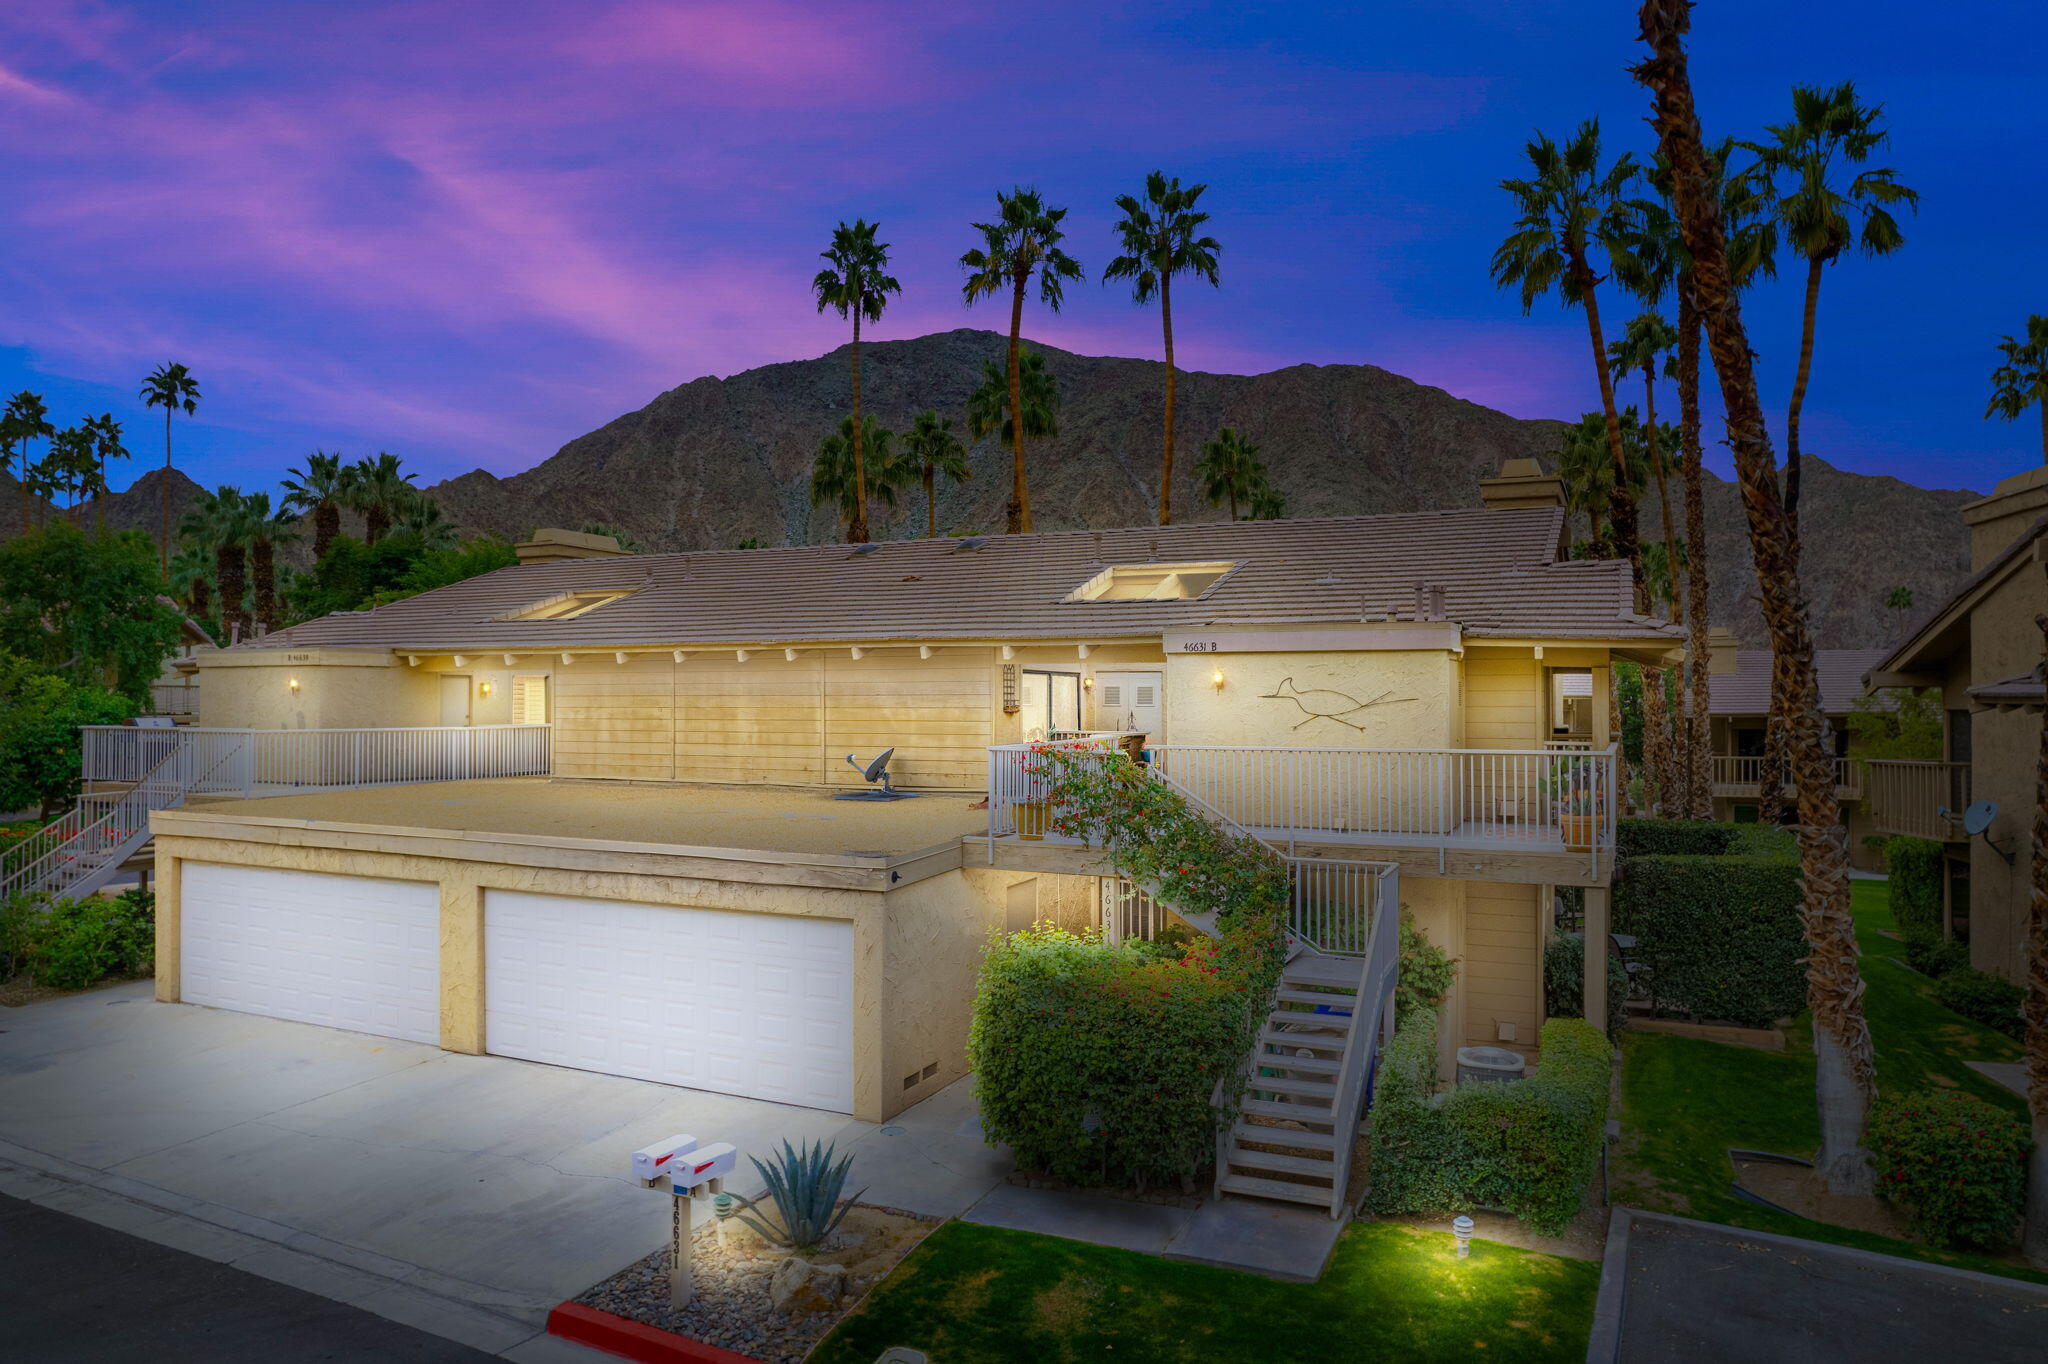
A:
x: 76, y: 943
x: 21, y: 920
x: 805, y: 1186
x: 1102, y: 1064
x: 1954, y: 1163
x: 1914, y: 889
x: 1719, y: 936
x: 1983, y: 998
x: 1930, y: 956
x: 1564, y: 984
x: 1426, y: 974
x: 1672, y: 837
x: 1528, y: 1148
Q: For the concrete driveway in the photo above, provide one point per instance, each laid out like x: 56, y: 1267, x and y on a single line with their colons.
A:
x: 488, y: 1182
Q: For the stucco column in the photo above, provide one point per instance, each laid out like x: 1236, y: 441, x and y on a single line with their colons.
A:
x: 1595, y: 997
x: 1603, y: 733
x: 169, y: 881
x: 462, y: 967
x: 872, y: 1101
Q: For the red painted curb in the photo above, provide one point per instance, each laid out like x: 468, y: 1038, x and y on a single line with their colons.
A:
x: 633, y: 1339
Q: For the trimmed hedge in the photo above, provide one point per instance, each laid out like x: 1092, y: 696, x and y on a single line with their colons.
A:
x: 1983, y: 998
x: 1672, y: 837
x: 1528, y: 1148
x: 1930, y: 956
x: 1914, y: 890
x: 1100, y: 1064
x: 1564, y: 984
x: 1954, y: 1163
x: 1719, y: 934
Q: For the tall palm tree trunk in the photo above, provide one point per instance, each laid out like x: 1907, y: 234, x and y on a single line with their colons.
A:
x: 1621, y: 504
x: 376, y: 520
x: 857, y: 527
x: 1699, y: 735
x: 1019, y: 510
x: 230, y: 569
x: 326, y: 525
x: 201, y: 598
x: 1667, y: 774
x: 931, y: 504
x: 1845, y: 1073
x: 1166, y: 460
x: 2036, y: 1009
x: 263, y: 578
x: 99, y: 499
x: 1798, y: 402
x: 164, y: 540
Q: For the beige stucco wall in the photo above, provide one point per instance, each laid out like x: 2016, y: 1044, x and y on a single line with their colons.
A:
x: 1418, y: 711
x: 916, y: 947
x: 338, y: 689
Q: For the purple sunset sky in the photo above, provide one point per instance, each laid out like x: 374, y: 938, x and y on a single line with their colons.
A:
x: 466, y: 233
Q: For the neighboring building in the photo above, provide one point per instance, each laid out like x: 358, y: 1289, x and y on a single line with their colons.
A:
x: 600, y: 828
x: 1740, y: 700
x: 1983, y: 650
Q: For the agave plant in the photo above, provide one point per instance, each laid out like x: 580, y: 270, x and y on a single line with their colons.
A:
x: 805, y: 1186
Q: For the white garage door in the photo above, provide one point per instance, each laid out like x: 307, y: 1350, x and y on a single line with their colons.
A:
x: 345, y: 951
x: 754, y: 1004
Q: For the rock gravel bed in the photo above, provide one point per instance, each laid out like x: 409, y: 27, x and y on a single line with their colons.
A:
x: 733, y: 1273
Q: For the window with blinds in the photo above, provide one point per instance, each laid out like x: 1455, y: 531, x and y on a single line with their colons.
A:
x: 530, y: 700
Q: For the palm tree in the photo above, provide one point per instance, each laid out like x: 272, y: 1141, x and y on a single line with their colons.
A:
x: 1231, y: 472
x: 988, y: 407
x: 377, y: 489
x: 1829, y: 133
x: 929, y: 450
x: 266, y: 533
x: 170, y: 387
x: 1023, y: 240
x: 72, y: 464
x: 24, y: 420
x: 832, y: 477
x: 1656, y: 260
x: 224, y: 524
x: 1569, y: 206
x: 2023, y: 379
x: 1587, y: 471
x: 321, y: 490
x: 420, y: 517
x: 106, y: 445
x: 2035, y: 1010
x: 1267, y: 504
x: 1899, y: 600
x: 1845, y: 1068
x: 1159, y: 242
x: 856, y: 283
x: 191, y: 579
x: 1647, y: 339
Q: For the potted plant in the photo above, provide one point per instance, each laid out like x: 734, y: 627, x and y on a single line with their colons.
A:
x: 1571, y: 789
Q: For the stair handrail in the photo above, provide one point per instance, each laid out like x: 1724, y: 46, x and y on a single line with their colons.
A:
x: 1363, y: 1039
x: 1227, y: 1098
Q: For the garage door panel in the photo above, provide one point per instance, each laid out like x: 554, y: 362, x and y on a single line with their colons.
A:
x: 752, y: 1004
x: 342, y: 951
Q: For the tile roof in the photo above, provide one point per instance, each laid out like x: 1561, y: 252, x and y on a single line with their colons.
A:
x: 1499, y: 570
x: 1924, y: 642
x: 1747, y: 690
x: 2021, y: 690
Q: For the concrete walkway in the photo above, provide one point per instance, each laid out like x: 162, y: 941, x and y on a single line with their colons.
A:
x: 1279, y: 1240
x: 464, y: 1195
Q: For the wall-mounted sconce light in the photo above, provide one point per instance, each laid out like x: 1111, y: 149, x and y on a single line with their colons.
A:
x: 293, y: 684
x: 1088, y: 683
x: 1216, y: 679
x: 483, y: 689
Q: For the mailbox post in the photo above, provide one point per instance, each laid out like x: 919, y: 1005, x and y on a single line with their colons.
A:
x: 688, y: 1172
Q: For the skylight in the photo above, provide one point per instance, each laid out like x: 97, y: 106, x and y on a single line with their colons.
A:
x: 569, y: 605
x: 1151, y: 582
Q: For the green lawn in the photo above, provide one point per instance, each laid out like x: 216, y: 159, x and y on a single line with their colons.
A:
x: 978, y: 1295
x: 1685, y: 1101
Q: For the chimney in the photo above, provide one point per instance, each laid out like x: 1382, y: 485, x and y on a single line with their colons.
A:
x: 552, y: 545
x: 1721, y: 649
x: 1996, y: 521
x: 1520, y: 485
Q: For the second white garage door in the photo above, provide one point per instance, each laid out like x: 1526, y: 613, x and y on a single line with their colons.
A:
x: 759, y: 1005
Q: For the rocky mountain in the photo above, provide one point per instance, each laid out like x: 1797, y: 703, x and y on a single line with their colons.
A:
x: 716, y: 462
x: 139, y: 506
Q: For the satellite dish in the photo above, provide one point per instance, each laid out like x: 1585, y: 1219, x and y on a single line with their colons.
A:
x: 1978, y: 817
x: 876, y: 771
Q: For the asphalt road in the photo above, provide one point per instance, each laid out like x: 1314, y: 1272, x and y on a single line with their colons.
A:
x: 72, y: 1290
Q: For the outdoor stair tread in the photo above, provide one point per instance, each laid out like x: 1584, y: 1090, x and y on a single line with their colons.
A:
x: 1280, y: 1037
x: 1275, y: 1188
x: 1314, y: 997
x: 1284, y: 1136
x: 1280, y: 1019
x: 1320, y: 1065
x: 1274, y: 1084
x: 1293, y: 1165
x: 1324, y: 971
x: 1267, y: 1108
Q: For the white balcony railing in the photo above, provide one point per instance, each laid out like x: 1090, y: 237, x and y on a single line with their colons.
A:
x: 261, y: 761
x: 1736, y: 775
x: 1538, y: 800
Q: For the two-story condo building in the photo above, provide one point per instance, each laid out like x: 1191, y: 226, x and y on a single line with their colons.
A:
x: 585, y: 810
x: 1983, y: 650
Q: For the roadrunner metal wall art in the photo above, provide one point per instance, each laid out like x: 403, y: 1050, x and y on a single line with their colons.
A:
x: 1318, y: 704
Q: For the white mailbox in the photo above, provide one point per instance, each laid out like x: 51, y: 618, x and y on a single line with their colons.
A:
x: 702, y: 1165
x: 652, y: 1162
